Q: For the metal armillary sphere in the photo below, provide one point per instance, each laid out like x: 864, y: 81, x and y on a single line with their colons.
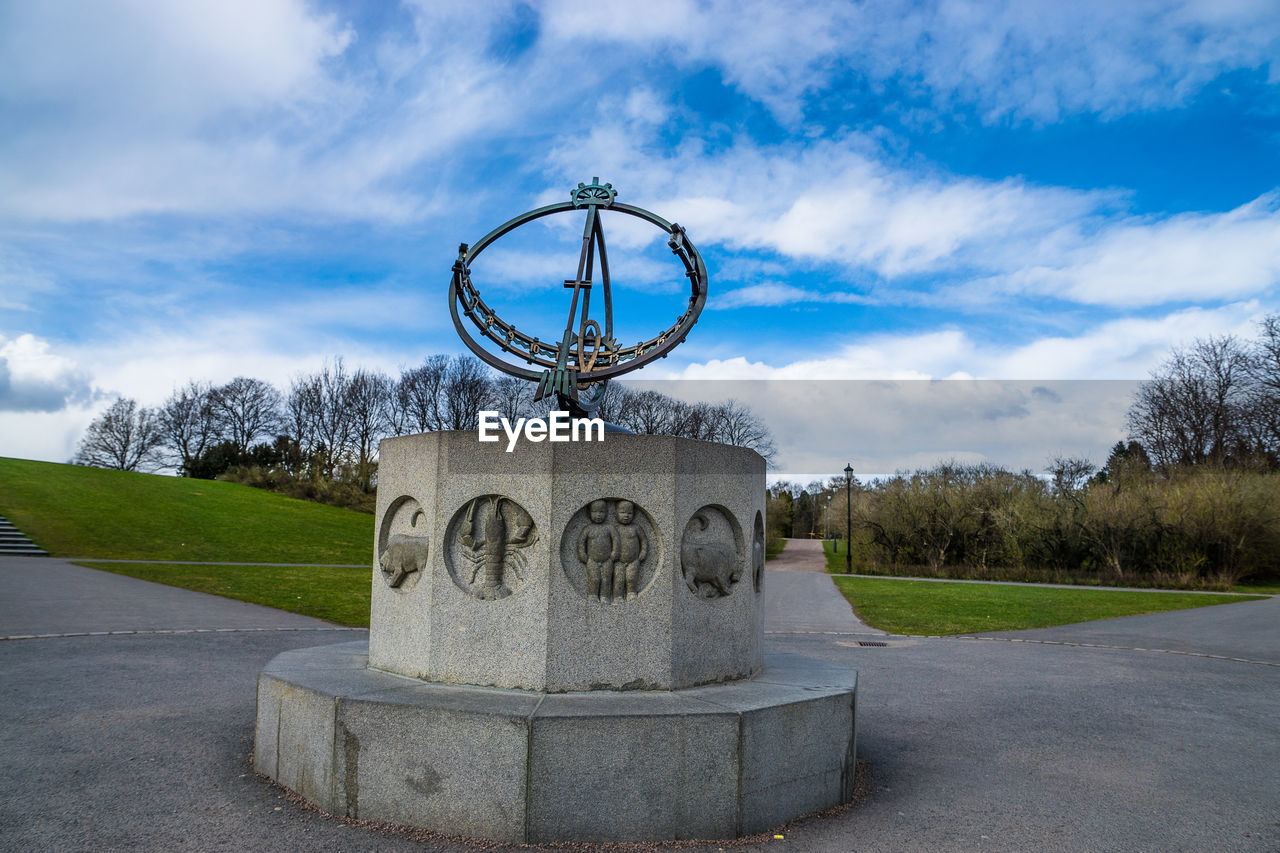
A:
x: 577, y: 365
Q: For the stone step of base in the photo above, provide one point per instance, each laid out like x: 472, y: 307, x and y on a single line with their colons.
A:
x: 18, y: 551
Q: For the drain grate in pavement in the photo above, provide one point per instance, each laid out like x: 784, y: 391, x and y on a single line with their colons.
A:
x: 871, y: 643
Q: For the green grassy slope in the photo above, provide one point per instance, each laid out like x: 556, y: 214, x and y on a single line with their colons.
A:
x: 72, y: 511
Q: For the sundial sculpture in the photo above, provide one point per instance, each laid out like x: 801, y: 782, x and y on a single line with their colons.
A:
x: 578, y: 365
x: 606, y: 597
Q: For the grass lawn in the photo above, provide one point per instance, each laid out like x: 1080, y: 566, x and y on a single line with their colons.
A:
x: 903, y: 607
x: 73, y: 511
x: 338, y: 594
x: 933, y: 607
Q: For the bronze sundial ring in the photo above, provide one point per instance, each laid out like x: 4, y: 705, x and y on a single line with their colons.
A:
x: 586, y: 352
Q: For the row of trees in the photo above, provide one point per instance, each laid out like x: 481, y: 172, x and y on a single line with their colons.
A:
x: 325, y: 427
x: 1130, y: 523
x: 1191, y: 499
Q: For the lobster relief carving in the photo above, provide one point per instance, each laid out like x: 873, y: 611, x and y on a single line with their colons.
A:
x: 491, y: 538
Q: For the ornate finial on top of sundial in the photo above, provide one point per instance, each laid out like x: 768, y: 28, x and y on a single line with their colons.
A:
x: 577, y: 366
x: 593, y: 193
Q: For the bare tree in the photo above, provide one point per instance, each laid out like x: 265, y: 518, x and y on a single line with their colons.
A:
x: 332, y: 418
x: 368, y: 401
x: 1194, y: 408
x: 1070, y: 475
x: 466, y: 391
x: 693, y: 420
x: 739, y: 426
x: 302, y: 414
x: 649, y: 413
x: 512, y: 397
x: 1263, y: 416
x: 246, y: 409
x: 188, y: 424
x: 125, y: 437
x: 615, y: 403
x: 418, y: 400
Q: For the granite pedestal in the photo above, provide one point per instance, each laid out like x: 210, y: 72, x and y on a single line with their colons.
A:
x: 565, y: 645
x: 513, y: 765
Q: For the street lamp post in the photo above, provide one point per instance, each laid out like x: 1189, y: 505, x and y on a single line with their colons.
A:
x: 848, y: 519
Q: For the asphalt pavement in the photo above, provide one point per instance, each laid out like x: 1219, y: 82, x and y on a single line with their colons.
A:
x: 801, y: 598
x: 1015, y: 742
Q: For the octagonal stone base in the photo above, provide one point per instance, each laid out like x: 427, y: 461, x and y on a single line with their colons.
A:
x: 480, y: 574
x: 707, y: 762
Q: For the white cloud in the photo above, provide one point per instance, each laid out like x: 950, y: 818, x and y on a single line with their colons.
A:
x: 166, y: 62
x: 843, y: 202
x: 1124, y: 349
x: 829, y: 201
x: 503, y: 269
x: 886, y: 426
x: 777, y: 293
x: 240, y: 107
x: 1007, y: 59
x: 34, y: 379
x: 1190, y: 257
x: 47, y: 436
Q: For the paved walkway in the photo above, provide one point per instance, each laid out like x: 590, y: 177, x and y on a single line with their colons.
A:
x: 142, y: 741
x: 800, y: 555
x: 48, y: 596
x: 800, y: 596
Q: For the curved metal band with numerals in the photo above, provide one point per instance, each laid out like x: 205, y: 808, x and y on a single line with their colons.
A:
x: 608, y: 364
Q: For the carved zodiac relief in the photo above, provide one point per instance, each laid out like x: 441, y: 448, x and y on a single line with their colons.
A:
x: 609, y: 550
x: 757, y: 553
x: 711, y: 553
x: 402, y: 544
x: 484, y: 546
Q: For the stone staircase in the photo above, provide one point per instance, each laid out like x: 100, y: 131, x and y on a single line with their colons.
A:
x: 13, y: 543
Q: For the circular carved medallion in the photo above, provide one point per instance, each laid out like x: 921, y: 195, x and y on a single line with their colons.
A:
x: 610, y: 550
x: 485, y: 546
x: 402, y: 543
x: 711, y: 558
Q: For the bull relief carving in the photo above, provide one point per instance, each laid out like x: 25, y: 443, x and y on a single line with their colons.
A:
x: 608, y: 550
x: 711, y: 553
x: 485, y: 545
x: 402, y: 544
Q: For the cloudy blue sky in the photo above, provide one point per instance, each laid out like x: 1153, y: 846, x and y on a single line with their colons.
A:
x: 882, y: 190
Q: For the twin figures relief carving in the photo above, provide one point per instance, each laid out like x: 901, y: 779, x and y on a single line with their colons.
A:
x: 612, y: 552
x: 610, y: 549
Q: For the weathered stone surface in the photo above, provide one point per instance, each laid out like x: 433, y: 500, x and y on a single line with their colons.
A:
x: 708, y: 762
x: 636, y: 766
x: 446, y: 757
x: 538, y: 625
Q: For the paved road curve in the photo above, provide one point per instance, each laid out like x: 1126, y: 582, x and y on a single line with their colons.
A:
x: 142, y: 741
